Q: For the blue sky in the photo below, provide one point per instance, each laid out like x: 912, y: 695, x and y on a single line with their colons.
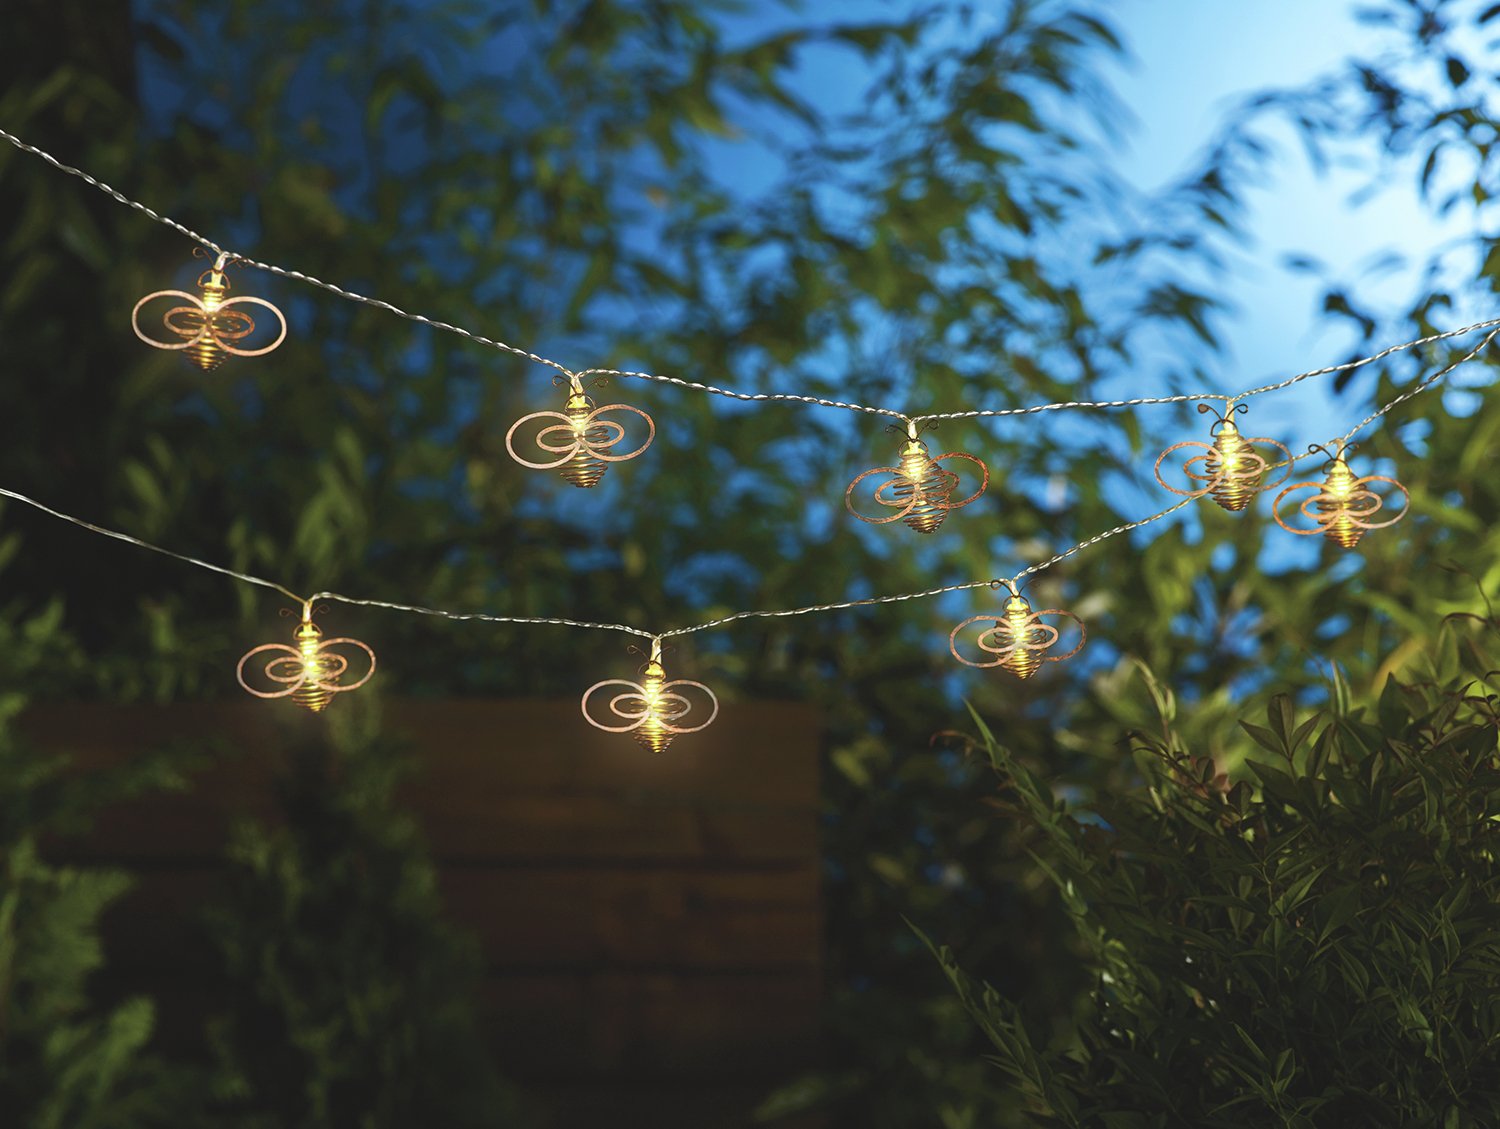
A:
x: 1192, y: 61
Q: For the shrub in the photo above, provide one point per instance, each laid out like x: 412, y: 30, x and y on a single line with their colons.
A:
x: 1316, y: 944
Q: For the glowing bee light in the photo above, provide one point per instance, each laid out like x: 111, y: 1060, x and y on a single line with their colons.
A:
x: 210, y: 326
x: 1342, y: 505
x: 653, y: 708
x: 1230, y: 468
x: 582, y: 440
x: 1017, y: 637
x: 309, y: 671
x: 918, y: 489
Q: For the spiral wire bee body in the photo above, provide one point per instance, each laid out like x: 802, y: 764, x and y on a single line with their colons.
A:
x: 919, y: 489
x: 210, y: 326
x: 1343, y: 504
x: 310, y: 671
x: 1230, y: 467
x: 1019, y: 639
x: 653, y: 708
x: 581, y: 438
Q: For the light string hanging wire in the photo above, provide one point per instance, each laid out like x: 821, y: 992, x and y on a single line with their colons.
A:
x: 311, y: 671
x: 306, y: 602
x: 784, y: 397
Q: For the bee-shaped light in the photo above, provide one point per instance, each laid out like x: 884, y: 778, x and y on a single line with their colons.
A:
x: 211, y: 326
x: 919, y: 490
x: 1342, y: 505
x: 582, y: 441
x: 1017, y: 637
x: 310, y: 670
x: 653, y: 708
x: 1230, y: 467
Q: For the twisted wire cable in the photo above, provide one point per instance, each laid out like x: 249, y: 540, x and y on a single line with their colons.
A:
x: 782, y: 397
x: 486, y: 617
x: 138, y: 543
x: 1421, y: 387
x: 912, y: 422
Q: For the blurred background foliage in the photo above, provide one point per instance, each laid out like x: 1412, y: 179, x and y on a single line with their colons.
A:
x: 646, y: 184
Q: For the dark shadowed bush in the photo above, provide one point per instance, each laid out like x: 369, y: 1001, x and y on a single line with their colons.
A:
x: 1317, y: 944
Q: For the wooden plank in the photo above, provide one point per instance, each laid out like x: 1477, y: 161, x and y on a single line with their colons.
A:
x: 586, y: 1104
x: 688, y: 920
x: 549, y: 920
x: 746, y: 796
x: 699, y: 1029
x: 707, y: 1026
x: 617, y: 829
x: 755, y: 753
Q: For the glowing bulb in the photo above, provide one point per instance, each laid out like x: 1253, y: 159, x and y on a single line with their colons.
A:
x: 211, y: 326
x: 653, y: 733
x: 1230, y: 467
x: 1342, y: 504
x: 653, y: 708
x: 1017, y: 637
x: 312, y: 694
x: 582, y: 440
x: 309, y: 672
x: 919, y: 490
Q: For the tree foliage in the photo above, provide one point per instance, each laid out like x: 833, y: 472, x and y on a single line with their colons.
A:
x: 950, y: 233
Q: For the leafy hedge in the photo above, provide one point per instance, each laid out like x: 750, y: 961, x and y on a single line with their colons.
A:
x: 1317, y: 944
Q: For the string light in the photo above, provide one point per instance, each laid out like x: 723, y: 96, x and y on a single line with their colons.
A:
x: 653, y: 707
x: 582, y: 440
x: 210, y: 327
x: 1342, y: 506
x: 1017, y: 637
x: 1230, y: 467
x: 759, y: 397
x: 919, y: 490
x: 308, y: 672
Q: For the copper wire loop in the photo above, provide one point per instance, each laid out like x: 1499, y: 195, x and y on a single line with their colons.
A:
x: 1231, y: 488
x: 634, y: 708
x: 288, y: 668
x: 1329, y: 514
x: 194, y: 324
x: 924, y: 501
x: 591, y: 437
x: 1012, y: 647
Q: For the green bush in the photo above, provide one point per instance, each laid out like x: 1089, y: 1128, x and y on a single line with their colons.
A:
x: 1317, y: 944
x: 69, y: 1059
x: 353, y: 999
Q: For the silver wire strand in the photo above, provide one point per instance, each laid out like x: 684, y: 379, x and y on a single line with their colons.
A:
x: 138, y: 543
x: 785, y: 397
x: 1422, y: 387
x: 111, y: 192
x: 1032, y: 570
x: 810, y: 609
x: 765, y: 397
x: 1187, y: 398
x: 483, y: 617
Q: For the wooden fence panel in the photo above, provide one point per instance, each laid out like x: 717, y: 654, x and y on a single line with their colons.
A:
x: 651, y: 925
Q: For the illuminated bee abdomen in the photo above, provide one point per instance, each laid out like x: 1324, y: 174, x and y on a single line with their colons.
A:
x: 211, y: 326
x: 920, y: 491
x: 1017, y: 637
x: 582, y: 439
x: 1231, y: 470
x: 1342, y: 505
